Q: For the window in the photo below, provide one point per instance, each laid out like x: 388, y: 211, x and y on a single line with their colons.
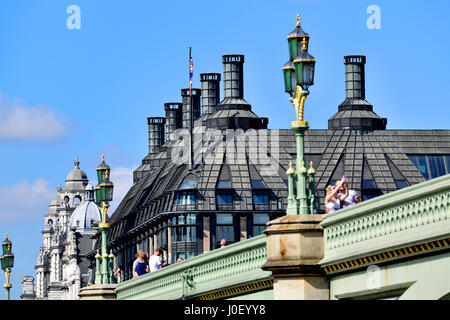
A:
x: 190, y: 184
x: 224, y: 197
x: 185, y: 198
x: 368, y: 184
x: 76, y: 200
x: 431, y: 166
x: 162, y: 238
x: 369, y: 194
x: 224, y: 228
x: 258, y: 184
x: 260, y: 198
x: 400, y: 184
x: 421, y: 163
x: 280, y: 204
x: 437, y: 166
x: 184, y: 228
x: 259, y: 223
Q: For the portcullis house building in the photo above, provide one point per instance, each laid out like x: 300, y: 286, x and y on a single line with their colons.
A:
x: 223, y: 175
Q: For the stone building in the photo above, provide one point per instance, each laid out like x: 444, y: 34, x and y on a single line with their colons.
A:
x: 231, y: 179
x: 62, y: 266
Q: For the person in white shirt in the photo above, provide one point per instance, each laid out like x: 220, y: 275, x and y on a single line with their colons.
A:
x: 352, y: 197
x: 155, y: 260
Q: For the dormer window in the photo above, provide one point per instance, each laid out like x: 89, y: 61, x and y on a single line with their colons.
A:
x: 258, y: 184
x: 185, y: 198
x: 260, y: 195
x: 224, y: 195
x: 186, y: 193
x: 189, y: 184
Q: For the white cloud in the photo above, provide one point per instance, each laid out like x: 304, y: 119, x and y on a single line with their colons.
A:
x: 123, y: 180
x: 20, y: 122
x: 25, y: 201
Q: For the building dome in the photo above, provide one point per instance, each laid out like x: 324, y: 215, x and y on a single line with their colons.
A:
x: 76, y: 179
x: 86, y: 213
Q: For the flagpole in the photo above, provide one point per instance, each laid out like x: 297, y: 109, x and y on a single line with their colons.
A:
x: 191, y: 115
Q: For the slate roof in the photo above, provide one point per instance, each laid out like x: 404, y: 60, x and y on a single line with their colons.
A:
x: 378, y: 155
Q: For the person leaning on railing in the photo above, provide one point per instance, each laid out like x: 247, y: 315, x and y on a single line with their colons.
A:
x: 332, y: 199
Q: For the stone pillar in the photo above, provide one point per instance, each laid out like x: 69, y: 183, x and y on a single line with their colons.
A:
x: 243, y: 227
x: 150, y: 246
x: 206, y: 234
x: 155, y: 242
x: 169, y: 244
x: 98, y: 292
x: 295, y: 245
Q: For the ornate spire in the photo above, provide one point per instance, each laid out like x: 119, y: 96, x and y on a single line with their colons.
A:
x: 311, y: 169
x: 291, y: 169
x: 304, y: 42
x: 298, y: 20
x: 76, y: 163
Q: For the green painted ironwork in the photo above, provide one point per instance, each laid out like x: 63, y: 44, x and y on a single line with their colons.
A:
x: 423, y: 278
x: 228, y: 267
x: 104, y: 273
x: 406, y: 217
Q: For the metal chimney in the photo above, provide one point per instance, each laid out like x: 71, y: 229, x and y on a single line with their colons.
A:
x: 210, y: 92
x: 233, y: 76
x: 174, y: 117
x: 355, y: 77
x: 355, y: 113
x: 196, y: 94
x: 155, y: 134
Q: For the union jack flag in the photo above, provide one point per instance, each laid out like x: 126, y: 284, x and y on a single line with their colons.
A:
x: 191, y: 71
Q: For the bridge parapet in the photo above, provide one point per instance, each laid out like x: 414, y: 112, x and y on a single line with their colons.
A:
x: 411, y: 221
x: 228, y: 271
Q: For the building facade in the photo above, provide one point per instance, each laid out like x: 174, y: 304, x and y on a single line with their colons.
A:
x: 62, y: 266
x: 226, y: 178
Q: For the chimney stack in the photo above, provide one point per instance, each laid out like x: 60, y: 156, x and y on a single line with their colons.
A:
x: 155, y: 134
x: 233, y: 76
x: 196, y: 94
x: 174, y: 117
x: 355, y: 77
x: 210, y: 92
x: 355, y: 113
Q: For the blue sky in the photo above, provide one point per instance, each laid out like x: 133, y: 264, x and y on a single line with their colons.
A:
x: 67, y: 93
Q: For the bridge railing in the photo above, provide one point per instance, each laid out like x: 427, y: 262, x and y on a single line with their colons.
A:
x: 409, y: 221
x: 236, y: 265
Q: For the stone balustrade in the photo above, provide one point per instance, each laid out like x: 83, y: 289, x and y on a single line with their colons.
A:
x: 409, y: 221
x: 233, y: 270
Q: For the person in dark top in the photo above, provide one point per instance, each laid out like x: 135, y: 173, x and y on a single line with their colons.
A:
x: 140, y: 266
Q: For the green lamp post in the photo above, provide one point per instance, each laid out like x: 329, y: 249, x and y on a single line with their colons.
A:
x: 104, y: 194
x: 298, y: 74
x: 7, y: 261
x: 101, y: 171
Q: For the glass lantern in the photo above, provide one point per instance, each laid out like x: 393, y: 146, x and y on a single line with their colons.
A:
x: 106, y: 190
x: 304, y: 69
x: 289, y: 78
